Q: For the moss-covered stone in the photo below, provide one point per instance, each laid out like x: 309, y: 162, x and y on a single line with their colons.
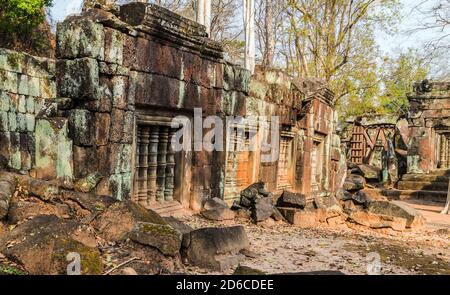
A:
x: 161, y: 236
x: 53, y: 149
x: 79, y: 38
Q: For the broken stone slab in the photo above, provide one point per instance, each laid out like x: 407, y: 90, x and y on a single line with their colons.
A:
x: 263, y: 209
x: 209, y: 246
x: 328, y: 203
x: 255, y: 190
x: 354, y: 183
x: 118, y: 220
x: 414, y: 219
x: 300, y: 218
x: 219, y: 214
x: 7, y: 189
x: 377, y: 221
x: 370, y: 173
x: 181, y: 227
x: 160, y: 236
x: 215, y: 203
x: 290, y: 199
x: 43, y: 244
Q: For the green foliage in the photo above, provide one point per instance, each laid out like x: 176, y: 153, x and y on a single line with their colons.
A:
x: 9, y: 270
x: 21, y: 16
x: 387, y: 84
x: 23, y: 26
x: 399, y: 74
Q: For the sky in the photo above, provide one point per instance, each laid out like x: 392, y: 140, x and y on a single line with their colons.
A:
x: 387, y: 43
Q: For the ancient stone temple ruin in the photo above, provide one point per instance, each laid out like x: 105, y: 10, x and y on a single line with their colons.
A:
x: 101, y: 115
x: 427, y: 138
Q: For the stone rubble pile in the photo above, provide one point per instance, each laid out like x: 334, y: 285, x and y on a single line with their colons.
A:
x: 42, y: 222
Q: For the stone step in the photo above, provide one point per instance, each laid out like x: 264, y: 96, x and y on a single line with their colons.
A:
x: 432, y: 196
x: 440, y: 172
x: 426, y: 178
x: 166, y: 209
x: 423, y: 185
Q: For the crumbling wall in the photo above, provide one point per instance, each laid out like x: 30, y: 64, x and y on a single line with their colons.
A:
x: 429, y: 122
x: 29, y: 141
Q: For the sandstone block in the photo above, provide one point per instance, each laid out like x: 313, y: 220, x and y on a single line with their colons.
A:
x: 78, y: 79
x: 79, y: 38
x: 160, y: 236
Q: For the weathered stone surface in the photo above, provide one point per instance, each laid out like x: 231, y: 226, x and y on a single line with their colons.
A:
x: 370, y: 173
x: 53, y: 149
x: 397, y: 209
x: 7, y: 188
x: 118, y: 221
x: 78, y: 79
x: 161, y: 236
x: 181, y: 227
x: 23, y: 210
x: 219, y: 214
x: 254, y: 190
x: 82, y: 127
x: 354, y: 183
x: 209, y: 246
x: 215, y: 203
x: 263, y: 209
x: 276, y: 215
x: 377, y: 221
x: 289, y: 199
x: 42, y: 245
x: 87, y: 184
x: 79, y: 38
x: 300, y: 218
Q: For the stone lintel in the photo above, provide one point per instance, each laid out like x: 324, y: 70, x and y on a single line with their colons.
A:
x: 162, y: 23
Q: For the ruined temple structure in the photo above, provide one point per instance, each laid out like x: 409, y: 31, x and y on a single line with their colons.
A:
x: 427, y: 136
x: 373, y: 140
x: 100, y: 115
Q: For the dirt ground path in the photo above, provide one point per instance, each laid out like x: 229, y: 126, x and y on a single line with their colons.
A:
x: 283, y: 248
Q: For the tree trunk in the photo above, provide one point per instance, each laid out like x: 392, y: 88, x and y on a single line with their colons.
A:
x: 269, y: 51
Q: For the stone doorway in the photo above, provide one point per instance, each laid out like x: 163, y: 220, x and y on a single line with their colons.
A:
x: 285, y: 161
x: 317, y: 165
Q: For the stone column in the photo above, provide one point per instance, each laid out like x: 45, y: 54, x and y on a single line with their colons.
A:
x: 162, y: 163
x: 170, y: 169
x: 153, y: 163
x: 143, y: 141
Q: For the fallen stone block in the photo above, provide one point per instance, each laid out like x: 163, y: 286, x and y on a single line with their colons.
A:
x: 160, y: 236
x: 210, y: 247
x: 118, y: 221
x: 371, y: 173
x: 414, y: 219
x: 300, y: 218
x: 181, y: 227
x: 263, y: 209
x: 354, y: 183
x: 219, y: 214
x: 215, y: 203
x: 43, y: 244
x: 377, y: 221
x: 289, y: 199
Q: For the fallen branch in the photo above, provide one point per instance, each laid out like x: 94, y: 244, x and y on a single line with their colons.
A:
x: 120, y: 265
